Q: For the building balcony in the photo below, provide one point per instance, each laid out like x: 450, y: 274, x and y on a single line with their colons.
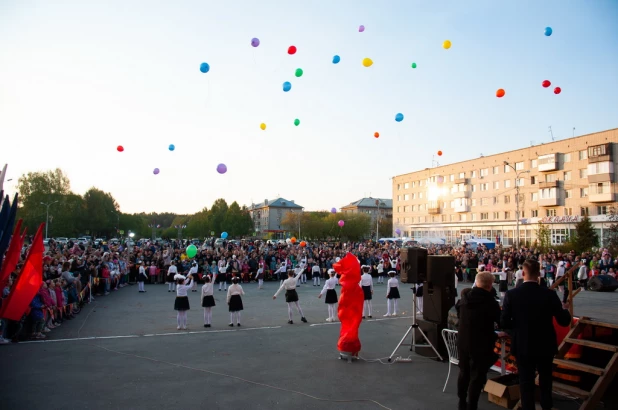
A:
x: 603, y: 197
x: 601, y: 172
x: 465, y: 181
x: 461, y: 194
x: 462, y: 208
x: 433, y: 211
x: 600, y: 153
x: 553, y: 184
x: 549, y: 202
x: 547, y: 162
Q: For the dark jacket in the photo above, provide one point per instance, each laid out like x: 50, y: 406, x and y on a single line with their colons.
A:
x: 478, y: 313
x: 528, y: 310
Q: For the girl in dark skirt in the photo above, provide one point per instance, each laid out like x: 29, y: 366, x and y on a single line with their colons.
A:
x: 503, y: 286
x: 181, y: 304
x: 331, y: 295
x: 366, y: 283
x: 291, y: 296
x: 234, y: 301
x: 208, y: 300
x: 418, y: 290
x: 392, y: 294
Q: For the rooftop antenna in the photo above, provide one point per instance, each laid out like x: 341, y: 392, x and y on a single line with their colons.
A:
x: 552, y: 133
x: 573, y: 131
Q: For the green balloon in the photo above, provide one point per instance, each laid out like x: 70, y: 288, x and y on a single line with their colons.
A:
x: 296, y: 122
x: 413, y: 65
x: 299, y: 72
x: 191, y: 251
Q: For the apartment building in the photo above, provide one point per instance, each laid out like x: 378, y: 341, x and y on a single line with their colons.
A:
x: 267, y: 216
x: 379, y: 209
x: 554, y: 183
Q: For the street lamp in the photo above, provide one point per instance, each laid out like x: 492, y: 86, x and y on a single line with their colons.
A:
x: 378, y: 203
x: 47, y: 215
x: 517, y: 174
x: 180, y: 228
x: 154, y: 230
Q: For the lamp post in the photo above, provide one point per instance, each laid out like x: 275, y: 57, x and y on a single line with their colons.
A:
x: 47, y: 215
x: 517, y: 174
x: 180, y: 228
x: 154, y: 230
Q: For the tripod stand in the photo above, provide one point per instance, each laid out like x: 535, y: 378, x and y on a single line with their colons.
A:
x: 413, y: 327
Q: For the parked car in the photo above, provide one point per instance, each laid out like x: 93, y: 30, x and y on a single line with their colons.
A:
x: 114, y: 241
x: 82, y: 241
x: 98, y: 241
x: 219, y: 242
x: 62, y: 240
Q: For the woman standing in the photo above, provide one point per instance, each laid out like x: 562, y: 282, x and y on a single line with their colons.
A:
x: 234, y: 301
x: 208, y: 300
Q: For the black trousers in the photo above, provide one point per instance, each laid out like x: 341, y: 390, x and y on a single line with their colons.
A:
x: 527, y: 368
x: 472, y: 377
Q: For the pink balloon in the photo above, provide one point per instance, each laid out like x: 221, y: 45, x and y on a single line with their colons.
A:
x: 341, y: 223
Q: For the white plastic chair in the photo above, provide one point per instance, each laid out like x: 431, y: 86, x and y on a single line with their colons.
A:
x: 450, y: 341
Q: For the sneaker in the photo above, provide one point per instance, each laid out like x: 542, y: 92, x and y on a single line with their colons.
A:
x: 169, y: 290
x: 394, y: 314
x: 302, y: 319
x: 208, y: 325
x: 4, y: 341
x: 40, y: 336
x: 184, y: 328
x: 231, y: 324
x: 47, y: 330
x: 370, y: 317
x: 329, y: 319
x: 177, y: 327
x: 290, y: 322
x: 387, y: 315
x: 238, y: 324
x: 205, y: 325
x: 106, y: 293
x: 363, y: 317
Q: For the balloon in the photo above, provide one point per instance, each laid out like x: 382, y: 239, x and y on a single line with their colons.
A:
x: 255, y: 42
x: 376, y: 134
x: 439, y: 153
x: 171, y: 147
x: 156, y: 171
x: 548, y: 31
x: 303, y: 244
x: 413, y: 65
x: 557, y: 90
x: 341, y: 223
x: 333, y: 210
x: 500, y: 93
x: 546, y: 83
x: 221, y: 168
x: 119, y: 148
x: 367, y: 62
x: 336, y: 59
x: 287, y: 86
x: 293, y: 239
x: 446, y: 44
x: 399, y: 117
x: 263, y: 126
x: 288, y: 241
x: 191, y: 251
x: 299, y: 72
x: 223, y: 235
x: 292, y: 50
x: 361, y: 29
x: 204, y: 67
x: 296, y: 122
x: 398, y: 231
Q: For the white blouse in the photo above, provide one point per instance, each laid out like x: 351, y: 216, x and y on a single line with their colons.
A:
x: 392, y: 283
x: 330, y: 283
x: 207, y: 290
x: 234, y: 289
x: 366, y: 280
x: 290, y: 283
x: 181, y: 290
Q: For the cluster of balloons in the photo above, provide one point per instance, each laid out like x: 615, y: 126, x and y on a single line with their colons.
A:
x: 341, y: 223
x: 399, y: 117
x: 204, y: 68
x: 223, y: 235
x: 191, y: 251
x: 119, y: 148
x: 221, y: 168
x: 367, y: 62
x: 500, y: 93
x: 547, y: 83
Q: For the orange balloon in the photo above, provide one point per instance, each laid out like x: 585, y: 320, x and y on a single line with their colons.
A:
x: 293, y: 239
x: 303, y: 244
x: 377, y: 135
x: 439, y: 153
x: 500, y: 93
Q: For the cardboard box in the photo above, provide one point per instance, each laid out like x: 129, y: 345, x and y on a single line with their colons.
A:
x: 503, y: 390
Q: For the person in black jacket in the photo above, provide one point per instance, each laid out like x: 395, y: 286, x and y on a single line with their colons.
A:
x: 528, y: 310
x: 479, y: 312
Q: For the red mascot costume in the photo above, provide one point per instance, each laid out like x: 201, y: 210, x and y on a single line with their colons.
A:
x: 350, y: 304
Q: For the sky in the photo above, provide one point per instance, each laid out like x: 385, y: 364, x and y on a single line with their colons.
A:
x: 78, y: 78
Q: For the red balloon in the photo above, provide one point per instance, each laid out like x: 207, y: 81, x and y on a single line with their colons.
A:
x: 350, y: 304
x: 292, y: 50
x: 439, y: 153
x: 557, y: 90
x: 376, y: 134
x: 546, y: 83
x: 120, y: 148
x: 500, y: 93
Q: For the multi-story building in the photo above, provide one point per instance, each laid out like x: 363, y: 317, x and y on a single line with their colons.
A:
x: 554, y: 183
x: 379, y: 209
x: 267, y: 216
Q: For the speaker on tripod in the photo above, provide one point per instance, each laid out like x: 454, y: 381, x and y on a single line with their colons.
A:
x: 413, y: 265
x: 439, y: 290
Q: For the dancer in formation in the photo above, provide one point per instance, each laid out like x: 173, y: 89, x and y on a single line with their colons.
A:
x: 331, y: 295
x: 260, y: 277
x: 193, y: 273
x: 366, y: 283
x: 172, y: 271
x: 315, y: 274
x: 281, y: 272
x: 208, y: 300
x: 222, y: 276
x: 380, y: 269
x: 392, y: 294
x: 418, y: 290
x: 291, y: 297
x: 234, y: 301
x: 181, y: 304
x: 141, y: 278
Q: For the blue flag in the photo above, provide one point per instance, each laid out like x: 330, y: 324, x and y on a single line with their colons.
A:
x: 7, y: 222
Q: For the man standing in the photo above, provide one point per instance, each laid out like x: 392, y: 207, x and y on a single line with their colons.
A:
x: 478, y: 313
x: 528, y: 311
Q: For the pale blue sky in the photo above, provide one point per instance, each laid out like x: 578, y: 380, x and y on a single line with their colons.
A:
x: 77, y: 79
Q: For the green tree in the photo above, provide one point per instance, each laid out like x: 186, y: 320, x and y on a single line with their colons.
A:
x: 543, y: 235
x: 198, y: 224
x: 610, y: 239
x: 218, y: 211
x: 586, y: 236
x: 101, y: 212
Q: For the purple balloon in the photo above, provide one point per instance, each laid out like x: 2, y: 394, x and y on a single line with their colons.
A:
x: 221, y: 168
x: 398, y: 231
x: 333, y: 210
x: 156, y: 171
x: 341, y: 223
x: 361, y: 29
x: 255, y: 42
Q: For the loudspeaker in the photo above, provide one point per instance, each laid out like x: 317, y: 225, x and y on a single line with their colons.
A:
x: 434, y: 334
x: 437, y: 301
x: 441, y: 270
x: 413, y: 265
x: 602, y: 283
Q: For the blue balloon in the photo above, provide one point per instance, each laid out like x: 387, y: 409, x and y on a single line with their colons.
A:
x: 399, y: 117
x: 548, y: 31
x: 172, y: 147
x: 336, y: 59
x: 224, y: 235
x: 204, y: 67
x: 287, y: 86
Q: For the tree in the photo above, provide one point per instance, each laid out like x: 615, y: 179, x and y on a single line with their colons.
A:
x: 218, y: 212
x: 356, y: 226
x: 586, y: 236
x: 102, y: 212
x: 543, y: 235
x: 611, y: 233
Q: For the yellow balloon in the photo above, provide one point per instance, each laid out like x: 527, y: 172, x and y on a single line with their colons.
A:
x: 263, y: 126
x: 367, y: 62
x: 446, y: 44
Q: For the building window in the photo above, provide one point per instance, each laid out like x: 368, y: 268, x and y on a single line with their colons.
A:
x: 463, y: 217
x: 583, y: 173
x: 451, y: 177
x: 534, y: 213
x: 484, y: 172
x: 462, y: 175
x: 406, y: 185
x: 473, y: 188
x: 452, y: 217
x: 398, y: 209
x: 568, y: 211
x: 550, y: 212
x: 583, y: 192
x: 583, y: 211
x: 434, y: 219
x: 507, y: 183
x: 399, y: 197
x: 507, y: 169
x: 473, y: 201
x: 534, y: 196
x: 597, y: 150
x: 507, y: 199
x: 406, y: 197
x: 602, y: 210
x: 495, y: 200
x: 413, y: 208
x: 484, y: 187
x: 484, y: 216
x: 496, y: 184
x: 484, y: 201
x: 583, y: 155
x: 507, y: 215
x: 568, y: 194
x: 600, y: 168
x: 473, y: 217
x: 420, y: 183
x: 567, y: 157
x: 420, y: 195
x: 413, y: 195
x: 496, y: 170
x: 406, y: 208
x: 519, y: 166
x: 600, y: 188
x: 473, y: 174
x: 532, y: 180
x: 519, y: 182
x: 397, y: 220
x: 550, y: 177
x: 567, y: 176
x: 548, y: 193
x: 496, y: 215
x: 398, y: 187
x: 533, y: 163
x: 443, y: 218
x: 558, y: 236
x: 523, y: 214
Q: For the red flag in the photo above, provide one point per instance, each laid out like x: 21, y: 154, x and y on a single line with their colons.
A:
x: 28, y: 283
x: 12, y: 255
